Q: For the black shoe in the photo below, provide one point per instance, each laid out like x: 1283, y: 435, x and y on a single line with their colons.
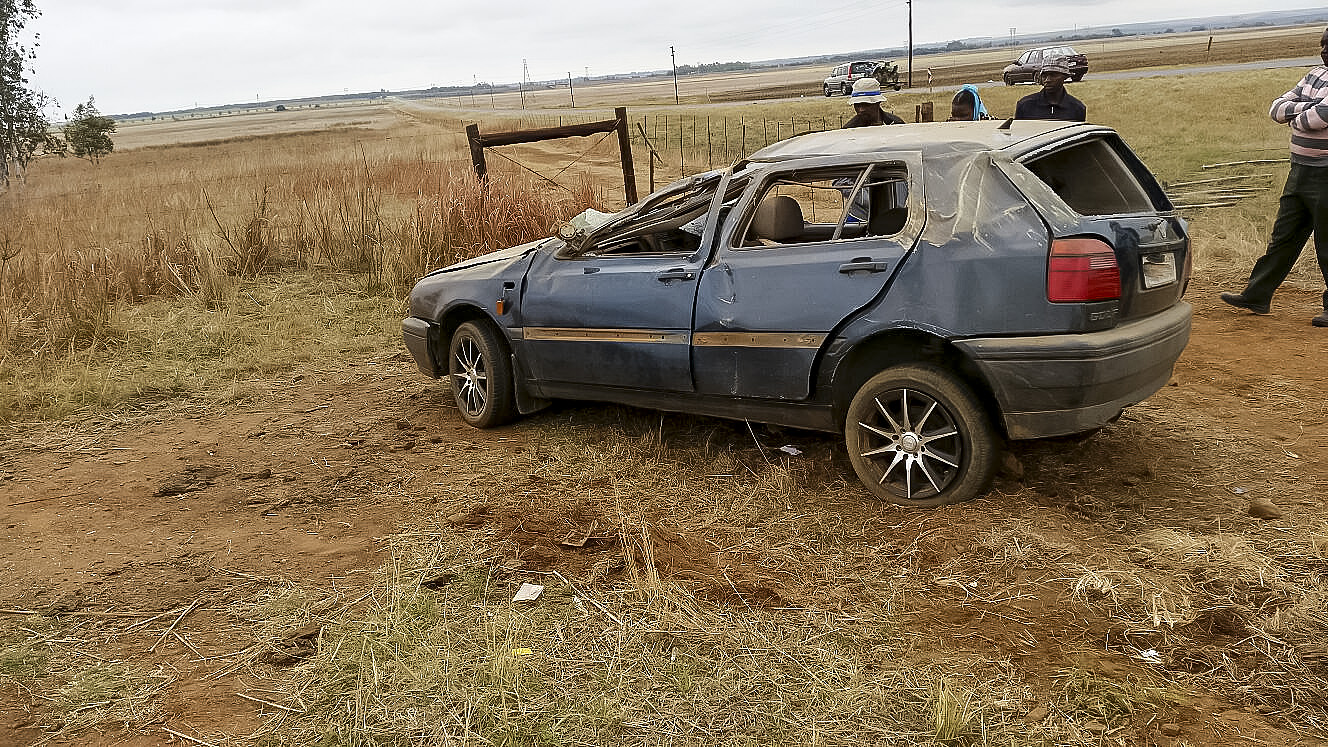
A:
x: 1241, y: 302
x: 1320, y: 320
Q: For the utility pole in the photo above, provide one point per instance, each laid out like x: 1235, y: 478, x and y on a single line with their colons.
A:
x: 674, y: 58
x: 570, y: 93
x: 910, y: 43
x: 525, y: 78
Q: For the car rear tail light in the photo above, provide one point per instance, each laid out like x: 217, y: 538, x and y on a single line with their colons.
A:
x: 1080, y: 270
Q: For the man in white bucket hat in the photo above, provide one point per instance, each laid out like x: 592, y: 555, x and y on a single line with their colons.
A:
x: 867, y: 99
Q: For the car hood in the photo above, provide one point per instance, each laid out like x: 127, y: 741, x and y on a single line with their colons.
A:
x: 498, y: 256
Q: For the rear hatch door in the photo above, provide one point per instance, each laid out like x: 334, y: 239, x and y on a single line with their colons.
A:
x: 1094, y: 186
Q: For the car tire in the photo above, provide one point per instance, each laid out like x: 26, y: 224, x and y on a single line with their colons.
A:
x: 480, y: 373
x: 848, y: 89
x: 828, y: 92
x: 1077, y: 78
x: 917, y: 436
x: 1008, y: 81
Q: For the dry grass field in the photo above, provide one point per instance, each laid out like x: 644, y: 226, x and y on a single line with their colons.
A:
x: 236, y: 515
x: 948, y: 69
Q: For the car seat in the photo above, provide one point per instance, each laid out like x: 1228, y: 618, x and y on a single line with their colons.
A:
x: 778, y: 220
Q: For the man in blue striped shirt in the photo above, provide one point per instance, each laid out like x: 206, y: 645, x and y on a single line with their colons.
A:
x: 1303, y: 208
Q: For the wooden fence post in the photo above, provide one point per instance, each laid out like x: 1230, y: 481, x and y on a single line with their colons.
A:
x: 625, y: 152
x: 476, y: 151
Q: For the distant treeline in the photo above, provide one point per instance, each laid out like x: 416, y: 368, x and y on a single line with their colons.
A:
x: 714, y: 67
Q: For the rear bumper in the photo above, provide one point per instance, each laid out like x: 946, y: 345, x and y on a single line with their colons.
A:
x: 417, y: 334
x: 1056, y: 385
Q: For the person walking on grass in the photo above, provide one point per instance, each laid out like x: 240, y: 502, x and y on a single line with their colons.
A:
x: 1303, y: 207
x: 866, y: 99
x: 1053, y: 101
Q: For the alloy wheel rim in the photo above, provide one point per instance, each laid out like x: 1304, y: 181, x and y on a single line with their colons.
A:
x: 471, y: 381
x: 913, y: 441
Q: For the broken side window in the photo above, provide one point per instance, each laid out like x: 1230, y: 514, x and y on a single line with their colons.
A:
x: 831, y: 204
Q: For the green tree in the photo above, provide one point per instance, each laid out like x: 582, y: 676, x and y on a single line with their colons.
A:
x: 89, y: 133
x: 24, y: 130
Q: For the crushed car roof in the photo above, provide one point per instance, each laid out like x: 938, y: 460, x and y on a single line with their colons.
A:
x: 987, y: 135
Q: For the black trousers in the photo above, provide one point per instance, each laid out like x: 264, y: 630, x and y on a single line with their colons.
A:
x: 1302, y: 210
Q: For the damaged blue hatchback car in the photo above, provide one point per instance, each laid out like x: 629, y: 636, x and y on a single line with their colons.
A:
x: 928, y: 290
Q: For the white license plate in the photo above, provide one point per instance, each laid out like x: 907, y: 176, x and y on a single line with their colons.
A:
x: 1159, y: 269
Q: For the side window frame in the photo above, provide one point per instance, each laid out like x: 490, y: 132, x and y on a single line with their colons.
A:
x: 907, y: 166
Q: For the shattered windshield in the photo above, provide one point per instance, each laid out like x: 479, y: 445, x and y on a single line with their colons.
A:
x: 682, y: 207
x: 667, y: 200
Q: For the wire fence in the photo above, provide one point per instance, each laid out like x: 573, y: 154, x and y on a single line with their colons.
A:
x: 682, y: 144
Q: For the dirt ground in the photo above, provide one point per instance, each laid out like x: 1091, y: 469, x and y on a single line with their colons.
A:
x: 194, y: 509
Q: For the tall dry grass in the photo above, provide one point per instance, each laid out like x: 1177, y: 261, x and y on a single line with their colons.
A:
x: 57, y: 290
x: 100, y: 267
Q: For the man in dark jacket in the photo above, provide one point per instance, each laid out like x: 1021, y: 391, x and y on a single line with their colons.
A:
x: 866, y: 100
x: 1053, y: 101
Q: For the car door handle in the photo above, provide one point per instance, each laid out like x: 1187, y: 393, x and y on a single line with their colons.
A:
x: 863, y: 264
x: 677, y: 273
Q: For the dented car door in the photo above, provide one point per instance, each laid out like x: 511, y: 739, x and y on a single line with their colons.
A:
x: 614, y: 308
x: 811, y: 245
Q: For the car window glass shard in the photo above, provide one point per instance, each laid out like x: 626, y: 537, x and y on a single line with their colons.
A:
x: 666, y: 204
x: 665, y: 226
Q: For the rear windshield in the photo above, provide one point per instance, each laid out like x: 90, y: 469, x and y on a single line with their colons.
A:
x: 1092, y: 178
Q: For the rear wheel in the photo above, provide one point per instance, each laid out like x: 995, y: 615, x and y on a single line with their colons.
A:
x: 917, y: 436
x: 480, y: 373
x: 848, y: 89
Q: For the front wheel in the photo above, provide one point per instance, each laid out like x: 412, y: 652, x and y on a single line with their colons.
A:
x: 917, y: 436
x: 827, y: 91
x: 480, y: 373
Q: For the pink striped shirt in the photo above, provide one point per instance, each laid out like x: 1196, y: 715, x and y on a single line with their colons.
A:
x: 1305, y: 109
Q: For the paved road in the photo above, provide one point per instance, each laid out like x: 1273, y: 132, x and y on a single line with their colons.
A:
x: 1259, y: 65
x: 1303, y: 62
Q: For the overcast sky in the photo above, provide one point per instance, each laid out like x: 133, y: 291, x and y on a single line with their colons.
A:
x: 160, y: 55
